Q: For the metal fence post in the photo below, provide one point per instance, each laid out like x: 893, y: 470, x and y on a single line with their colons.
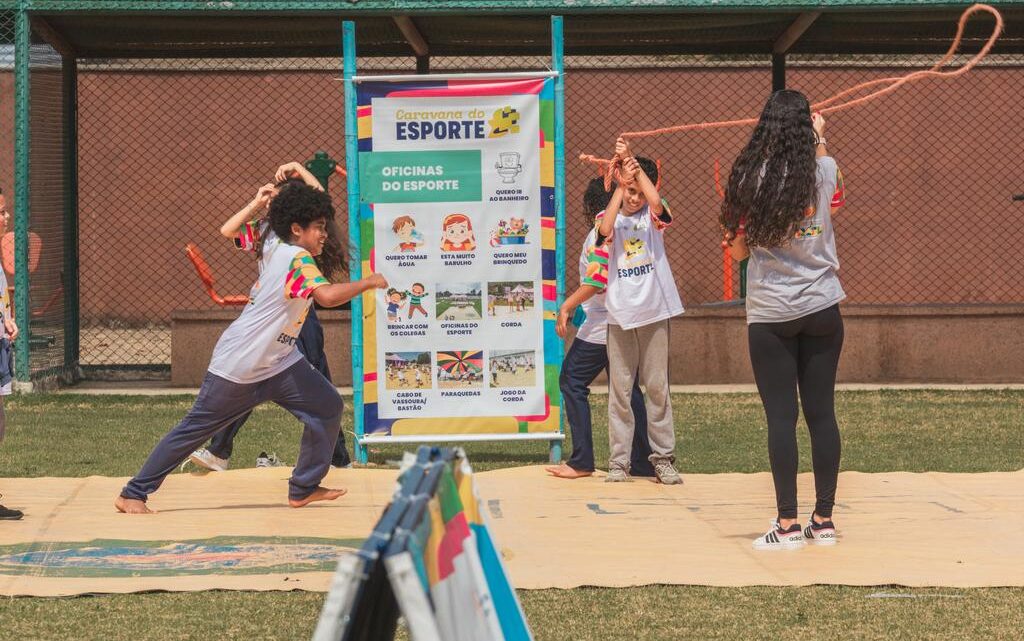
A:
x: 22, y: 44
x: 558, y: 65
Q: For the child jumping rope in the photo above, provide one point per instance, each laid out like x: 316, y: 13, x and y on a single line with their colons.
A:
x: 256, y: 361
x: 586, y: 359
x: 216, y: 457
x: 777, y: 211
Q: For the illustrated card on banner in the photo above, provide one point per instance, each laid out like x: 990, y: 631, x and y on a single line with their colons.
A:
x: 457, y: 211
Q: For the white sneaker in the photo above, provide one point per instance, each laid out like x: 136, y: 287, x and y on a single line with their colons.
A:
x: 617, y: 475
x: 205, y: 459
x: 779, y: 539
x: 820, y: 533
x: 269, y: 460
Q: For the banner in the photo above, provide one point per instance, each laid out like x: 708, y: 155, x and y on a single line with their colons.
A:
x: 457, y: 211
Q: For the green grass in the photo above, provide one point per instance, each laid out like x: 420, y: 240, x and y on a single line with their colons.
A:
x: 72, y: 435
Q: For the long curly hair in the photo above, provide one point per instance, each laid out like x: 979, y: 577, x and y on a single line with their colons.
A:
x: 772, y: 182
x: 297, y: 202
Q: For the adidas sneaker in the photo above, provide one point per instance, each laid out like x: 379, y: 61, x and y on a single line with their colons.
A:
x: 820, y: 533
x: 779, y: 539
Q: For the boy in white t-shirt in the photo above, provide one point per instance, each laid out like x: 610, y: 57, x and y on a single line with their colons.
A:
x: 256, y: 359
x: 629, y: 262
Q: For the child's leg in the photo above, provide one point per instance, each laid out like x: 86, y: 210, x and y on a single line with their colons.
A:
x: 640, y: 459
x: 222, y: 443
x: 653, y: 372
x: 821, y: 342
x: 623, y: 359
x: 773, y: 355
x: 220, y: 402
x: 581, y: 366
x: 3, y: 420
x: 312, y: 399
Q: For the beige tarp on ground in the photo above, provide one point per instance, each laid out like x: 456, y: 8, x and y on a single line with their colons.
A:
x: 911, y: 529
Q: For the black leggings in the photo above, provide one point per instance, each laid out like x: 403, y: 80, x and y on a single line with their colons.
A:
x: 805, y: 353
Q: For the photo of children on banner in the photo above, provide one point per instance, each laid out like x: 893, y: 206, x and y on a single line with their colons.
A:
x: 460, y: 369
x: 511, y: 298
x: 459, y: 302
x: 395, y: 300
x: 513, y: 368
x: 410, y: 239
x: 511, y: 232
x: 457, y: 234
x: 407, y: 370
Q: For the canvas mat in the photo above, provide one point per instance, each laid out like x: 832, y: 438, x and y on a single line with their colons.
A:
x: 957, y: 530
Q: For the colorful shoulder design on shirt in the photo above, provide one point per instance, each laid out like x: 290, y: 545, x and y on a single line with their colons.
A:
x: 839, y: 197
x: 249, y: 235
x: 303, y: 277
x: 665, y: 219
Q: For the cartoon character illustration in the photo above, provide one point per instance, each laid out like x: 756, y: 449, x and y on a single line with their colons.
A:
x: 504, y: 121
x: 416, y: 295
x: 457, y: 231
x: 513, y: 232
x: 635, y: 252
x: 409, y: 238
x: 508, y: 166
x: 396, y: 301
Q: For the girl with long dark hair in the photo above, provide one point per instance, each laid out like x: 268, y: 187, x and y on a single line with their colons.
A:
x: 782, y: 192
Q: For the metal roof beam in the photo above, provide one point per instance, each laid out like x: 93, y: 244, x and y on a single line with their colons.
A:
x: 412, y: 35
x: 793, y: 32
x: 52, y: 37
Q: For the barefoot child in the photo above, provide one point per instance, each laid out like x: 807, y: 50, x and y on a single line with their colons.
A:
x: 588, y: 357
x: 256, y: 361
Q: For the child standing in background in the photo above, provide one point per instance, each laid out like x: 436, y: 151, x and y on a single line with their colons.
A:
x: 8, y: 332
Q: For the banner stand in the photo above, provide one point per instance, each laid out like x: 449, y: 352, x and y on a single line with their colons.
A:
x: 482, y: 327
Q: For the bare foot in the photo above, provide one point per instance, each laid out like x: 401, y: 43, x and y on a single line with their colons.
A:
x: 563, y: 471
x: 319, y: 494
x: 131, y: 506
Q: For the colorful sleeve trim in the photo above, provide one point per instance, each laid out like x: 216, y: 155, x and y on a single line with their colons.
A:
x: 665, y: 219
x: 597, y: 268
x: 248, y: 236
x: 303, y: 277
x: 839, y: 198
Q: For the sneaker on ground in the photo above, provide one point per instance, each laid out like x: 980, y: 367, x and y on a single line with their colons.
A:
x: 779, y: 539
x: 7, y: 514
x: 820, y: 533
x: 268, y: 460
x: 667, y: 473
x: 617, y: 475
x: 205, y: 459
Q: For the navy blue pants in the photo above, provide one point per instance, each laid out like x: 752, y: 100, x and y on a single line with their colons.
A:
x: 300, y: 389
x: 581, y: 366
x: 311, y: 344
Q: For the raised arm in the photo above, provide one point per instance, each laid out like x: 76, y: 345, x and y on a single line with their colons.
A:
x: 296, y: 170
x: 251, y: 211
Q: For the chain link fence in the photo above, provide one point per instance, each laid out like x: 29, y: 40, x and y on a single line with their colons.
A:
x: 168, y: 149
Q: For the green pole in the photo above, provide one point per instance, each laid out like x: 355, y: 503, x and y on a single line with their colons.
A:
x: 70, y: 276
x: 22, y: 42
x: 354, y: 233
x: 321, y: 166
x: 743, y: 278
x: 558, y: 65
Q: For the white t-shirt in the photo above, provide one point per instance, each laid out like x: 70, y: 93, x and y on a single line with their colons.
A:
x: 5, y: 303
x: 595, y: 328
x: 641, y: 289
x: 261, y: 342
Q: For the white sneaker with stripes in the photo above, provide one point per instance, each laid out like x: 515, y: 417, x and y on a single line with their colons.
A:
x: 204, y: 458
x: 820, y: 533
x: 779, y: 539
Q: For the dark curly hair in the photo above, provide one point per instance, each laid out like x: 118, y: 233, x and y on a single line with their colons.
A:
x: 595, y: 198
x: 297, y: 202
x: 782, y: 146
x: 649, y: 167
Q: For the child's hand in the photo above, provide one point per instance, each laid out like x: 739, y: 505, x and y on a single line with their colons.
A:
x: 12, y: 329
x: 622, y: 148
x: 562, y: 323
x: 264, y: 195
x: 818, y: 122
x: 630, y: 167
x: 287, y: 170
x: 376, y: 281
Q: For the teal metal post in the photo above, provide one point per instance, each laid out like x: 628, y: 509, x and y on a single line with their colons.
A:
x: 355, y: 264
x: 22, y: 40
x: 743, y: 278
x: 558, y: 65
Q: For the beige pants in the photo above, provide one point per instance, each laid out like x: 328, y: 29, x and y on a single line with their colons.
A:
x: 639, y: 352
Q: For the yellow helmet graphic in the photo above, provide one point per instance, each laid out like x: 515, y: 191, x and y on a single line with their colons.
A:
x: 504, y: 121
